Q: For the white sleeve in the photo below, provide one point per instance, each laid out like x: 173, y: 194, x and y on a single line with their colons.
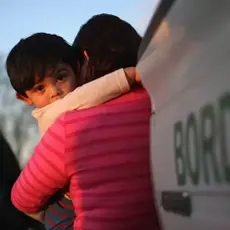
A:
x: 98, y: 91
x: 91, y: 94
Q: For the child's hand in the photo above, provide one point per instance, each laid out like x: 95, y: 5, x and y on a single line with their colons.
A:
x: 67, y: 195
x: 132, y: 76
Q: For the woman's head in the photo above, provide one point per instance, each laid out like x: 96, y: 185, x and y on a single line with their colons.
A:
x: 110, y: 42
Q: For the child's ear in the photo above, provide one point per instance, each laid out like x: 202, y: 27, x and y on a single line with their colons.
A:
x: 25, y: 99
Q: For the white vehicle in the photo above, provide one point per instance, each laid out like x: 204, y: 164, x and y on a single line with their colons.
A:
x: 185, y: 67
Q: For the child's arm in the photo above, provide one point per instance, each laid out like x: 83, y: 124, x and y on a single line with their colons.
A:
x: 91, y: 94
x: 102, y: 89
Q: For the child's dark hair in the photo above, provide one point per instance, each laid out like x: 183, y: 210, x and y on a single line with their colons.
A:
x: 110, y: 42
x: 32, y: 58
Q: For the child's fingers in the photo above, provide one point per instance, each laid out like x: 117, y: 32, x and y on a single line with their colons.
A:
x: 137, y: 77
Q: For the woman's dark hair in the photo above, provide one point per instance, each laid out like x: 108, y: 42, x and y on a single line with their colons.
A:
x: 110, y: 42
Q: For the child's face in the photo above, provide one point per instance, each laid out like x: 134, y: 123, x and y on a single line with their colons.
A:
x: 52, y: 88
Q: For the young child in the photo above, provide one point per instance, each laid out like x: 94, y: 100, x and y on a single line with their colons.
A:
x: 45, y: 72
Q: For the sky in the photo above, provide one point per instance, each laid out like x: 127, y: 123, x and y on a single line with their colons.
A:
x: 22, y: 18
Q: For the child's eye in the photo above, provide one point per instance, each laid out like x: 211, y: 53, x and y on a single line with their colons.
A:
x: 61, y: 77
